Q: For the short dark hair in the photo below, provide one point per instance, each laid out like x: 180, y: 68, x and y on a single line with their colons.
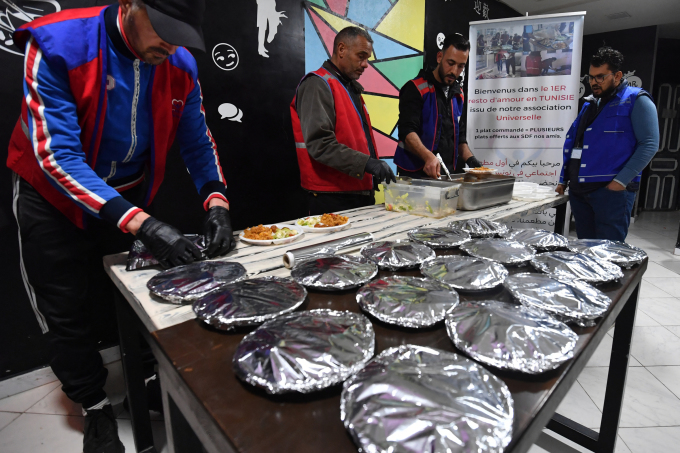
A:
x: 610, y: 57
x: 456, y: 40
x: 349, y: 34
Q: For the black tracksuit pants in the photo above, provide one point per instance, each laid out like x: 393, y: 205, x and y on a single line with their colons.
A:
x: 65, y: 280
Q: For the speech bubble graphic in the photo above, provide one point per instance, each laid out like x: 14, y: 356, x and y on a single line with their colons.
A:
x: 230, y: 112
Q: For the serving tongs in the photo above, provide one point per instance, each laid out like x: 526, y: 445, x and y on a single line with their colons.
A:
x: 441, y: 161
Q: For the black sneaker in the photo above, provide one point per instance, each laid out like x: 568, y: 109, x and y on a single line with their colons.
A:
x: 101, y: 432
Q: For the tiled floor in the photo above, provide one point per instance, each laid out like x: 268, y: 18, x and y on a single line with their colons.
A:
x: 44, y: 420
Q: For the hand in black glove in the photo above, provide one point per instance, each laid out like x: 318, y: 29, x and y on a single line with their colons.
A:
x: 472, y: 162
x: 380, y: 170
x: 167, y: 244
x: 217, y: 231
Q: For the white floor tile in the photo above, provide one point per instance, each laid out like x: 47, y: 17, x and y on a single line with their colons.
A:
x: 656, y: 270
x: 642, y: 233
x: 115, y: 383
x: 26, y: 382
x: 39, y: 433
x: 648, y: 440
x: 647, y: 402
x: 664, y: 310
x: 671, y: 265
x: 56, y: 403
x: 159, y: 438
x: 22, y: 401
x: 550, y: 442
x: 647, y: 290
x: 669, y: 376
x: 6, y: 418
x: 668, y: 285
x: 578, y: 406
x: 653, y: 346
x: 603, y: 353
x: 674, y: 330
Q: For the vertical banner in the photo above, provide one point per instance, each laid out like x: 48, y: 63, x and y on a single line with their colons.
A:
x: 523, y: 94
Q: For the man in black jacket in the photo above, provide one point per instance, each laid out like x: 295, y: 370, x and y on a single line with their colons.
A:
x: 425, y: 131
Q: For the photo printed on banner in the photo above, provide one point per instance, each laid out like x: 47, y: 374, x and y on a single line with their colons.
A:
x: 13, y: 16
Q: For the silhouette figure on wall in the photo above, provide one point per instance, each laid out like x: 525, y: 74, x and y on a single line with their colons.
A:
x: 267, y: 18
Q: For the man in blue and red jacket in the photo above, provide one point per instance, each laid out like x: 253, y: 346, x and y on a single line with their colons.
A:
x: 432, y: 116
x: 107, y: 91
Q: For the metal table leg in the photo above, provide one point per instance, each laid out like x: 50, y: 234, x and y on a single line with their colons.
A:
x: 560, y: 217
x: 605, y: 441
x: 128, y: 330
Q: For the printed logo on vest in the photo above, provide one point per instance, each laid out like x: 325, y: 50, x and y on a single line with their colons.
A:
x: 177, y: 108
x: 110, y: 83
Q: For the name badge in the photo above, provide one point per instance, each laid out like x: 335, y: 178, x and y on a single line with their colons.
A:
x: 576, y: 153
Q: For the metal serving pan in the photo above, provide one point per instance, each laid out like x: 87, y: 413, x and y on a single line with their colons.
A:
x: 476, y: 191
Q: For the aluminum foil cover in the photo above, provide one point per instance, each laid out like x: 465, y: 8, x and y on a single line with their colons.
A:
x: 328, y: 248
x: 571, y: 265
x: 501, y: 250
x: 250, y: 302
x: 139, y: 257
x: 465, y: 273
x: 407, y: 301
x: 439, y: 238
x: 567, y: 300
x: 542, y: 240
x: 480, y: 228
x: 621, y: 253
x: 184, y: 284
x: 305, y: 351
x: 413, y: 399
x: 510, y: 336
x: 395, y: 255
x: 334, y: 273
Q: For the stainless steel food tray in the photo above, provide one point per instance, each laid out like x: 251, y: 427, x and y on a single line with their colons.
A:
x: 476, y: 191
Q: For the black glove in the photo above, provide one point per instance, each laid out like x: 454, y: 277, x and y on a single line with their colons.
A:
x: 380, y: 170
x: 472, y: 162
x: 167, y: 244
x: 217, y: 230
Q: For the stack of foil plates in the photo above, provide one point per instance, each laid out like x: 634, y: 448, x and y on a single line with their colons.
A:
x: 571, y: 265
x: 305, y: 351
x: 480, y: 228
x: 542, y: 240
x: 249, y: 302
x: 398, y: 254
x: 184, y: 284
x: 439, y: 238
x: 139, y: 257
x: 510, y: 336
x: 499, y: 250
x: 417, y: 399
x: 567, y: 300
x: 625, y: 255
x: 407, y: 301
x: 464, y: 273
x: 334, y: 272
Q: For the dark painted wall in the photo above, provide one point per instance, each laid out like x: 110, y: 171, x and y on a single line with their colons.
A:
x: 257, y: 154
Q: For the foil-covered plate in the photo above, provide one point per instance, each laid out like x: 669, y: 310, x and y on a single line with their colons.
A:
x: 542, y: 240
x: 139, y: 257
x: 500, y: 250
x: 572, y: 265
x: 413, y: 399
x: 510, y: 336
x: 334, y: 273
x: 567, y: 300
x: 396, y: 255
x: 407, y: 301
x: 305, y: 351
x: 465, y: 273
x: 439, y: 238
x: 184, y: 284
x: 621, y: 253
x: 480, y: 228
x: 249, y: 302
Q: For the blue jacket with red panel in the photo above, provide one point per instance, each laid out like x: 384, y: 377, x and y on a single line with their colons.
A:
x: 57, y: 141
x: 430, y: 126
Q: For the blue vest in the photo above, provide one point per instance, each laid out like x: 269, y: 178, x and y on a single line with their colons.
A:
x: 430, y: 127
x: 608, y: 143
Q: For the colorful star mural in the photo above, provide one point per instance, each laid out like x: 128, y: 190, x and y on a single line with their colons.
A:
x: 398, y: 31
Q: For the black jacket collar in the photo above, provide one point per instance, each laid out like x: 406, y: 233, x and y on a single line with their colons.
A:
x: 111, y: 21
x: 428, y: 74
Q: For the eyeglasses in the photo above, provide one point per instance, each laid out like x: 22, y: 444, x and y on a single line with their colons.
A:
x: 598, y: 78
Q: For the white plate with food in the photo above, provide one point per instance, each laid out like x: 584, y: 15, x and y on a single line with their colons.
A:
x: 275, y: 234
x: 326, y: 223
x: 480, y: 170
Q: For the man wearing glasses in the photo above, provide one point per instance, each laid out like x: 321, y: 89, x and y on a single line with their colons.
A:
x: 613, y: 139
x: 430, y: 111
